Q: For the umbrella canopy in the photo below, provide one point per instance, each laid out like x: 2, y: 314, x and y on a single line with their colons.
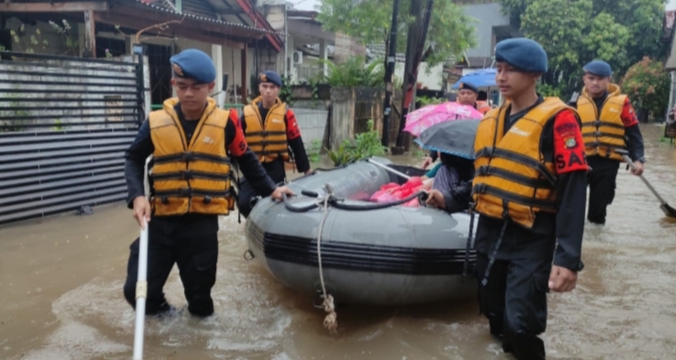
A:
x: 480, y: 78
x: 421, y: 119
x: 453, y: 138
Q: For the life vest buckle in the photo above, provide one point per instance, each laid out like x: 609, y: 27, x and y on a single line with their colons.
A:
x: 164, y: 200
x: 207, y: 199
x: 187, y: 175
x: 185, y: 192
x: 188, y: 156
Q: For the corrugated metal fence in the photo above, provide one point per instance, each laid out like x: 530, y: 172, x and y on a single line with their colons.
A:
x: 64, y: 126
x: 312, y: 123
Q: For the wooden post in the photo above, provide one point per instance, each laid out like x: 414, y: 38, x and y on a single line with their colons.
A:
x: 245, y: 73
x: 89, y: 35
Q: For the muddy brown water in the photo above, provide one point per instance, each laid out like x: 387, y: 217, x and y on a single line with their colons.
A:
x: 61, y: 296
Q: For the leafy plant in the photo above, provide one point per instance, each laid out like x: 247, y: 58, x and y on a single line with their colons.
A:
x: 647, y: 85
x: 26, y: 42
x: 315, y: 150
x: 450, y: 30
x: 355, y: 72
x: 574, y: 32
x: 365, y: 145
x: 424, y: 101
x: 71, y: 41
x: 285, y: 93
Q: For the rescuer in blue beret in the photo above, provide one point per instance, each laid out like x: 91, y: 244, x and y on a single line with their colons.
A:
x: 272, y: 131
x: 529, y: 165
x: 193, y: 143
x: 609, y: 127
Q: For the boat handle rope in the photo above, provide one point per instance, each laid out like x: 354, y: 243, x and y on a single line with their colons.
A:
x: 331, y: 319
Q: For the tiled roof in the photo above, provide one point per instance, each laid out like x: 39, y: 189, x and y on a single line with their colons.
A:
x: 161, y: 5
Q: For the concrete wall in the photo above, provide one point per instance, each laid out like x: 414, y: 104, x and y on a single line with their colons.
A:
x: 487, y: 16
x: 351, y: 109
x: 345, y: 48
x: 432, y: 80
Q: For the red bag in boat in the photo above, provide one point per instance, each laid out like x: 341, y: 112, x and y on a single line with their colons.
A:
x: 393, y: 192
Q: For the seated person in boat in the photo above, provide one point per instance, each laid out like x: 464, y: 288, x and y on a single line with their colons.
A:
x: 452, y: 185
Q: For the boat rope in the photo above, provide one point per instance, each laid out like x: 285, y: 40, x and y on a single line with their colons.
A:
x: 331, y: 320
x: 339, y: 204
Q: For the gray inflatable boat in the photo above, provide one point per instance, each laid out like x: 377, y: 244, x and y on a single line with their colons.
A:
x: 371, y: 253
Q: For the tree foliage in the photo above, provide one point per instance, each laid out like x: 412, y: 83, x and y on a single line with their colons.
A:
x: 354, y: 73
x: 574, y: 32
x: 368, y: 21
x: 647, y: 85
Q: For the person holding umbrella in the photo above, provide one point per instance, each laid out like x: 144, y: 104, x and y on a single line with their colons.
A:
x: 467, y: 96
x: 529, y: 190
x: 192, y: 142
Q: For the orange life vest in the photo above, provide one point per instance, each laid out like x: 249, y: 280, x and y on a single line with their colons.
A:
x: 513, y: 180
x: 604, y: 132
x: 267, y: 137
x: 195, y: 177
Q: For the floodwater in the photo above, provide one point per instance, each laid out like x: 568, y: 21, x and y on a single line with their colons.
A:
x: 61, y: 280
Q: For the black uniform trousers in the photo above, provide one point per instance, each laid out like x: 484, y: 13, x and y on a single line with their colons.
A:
x: 189, y: 241
x: 602, y: 182
x: 276, y: 172
x: 514, y: 295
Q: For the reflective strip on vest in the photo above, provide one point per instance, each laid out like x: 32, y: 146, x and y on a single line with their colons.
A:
x: 513, y: 180
x: 268, y: 141
x: 195, y: 177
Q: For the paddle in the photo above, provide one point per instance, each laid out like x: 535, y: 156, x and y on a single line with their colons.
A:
x: 668, y: 210
x: 141, y: 280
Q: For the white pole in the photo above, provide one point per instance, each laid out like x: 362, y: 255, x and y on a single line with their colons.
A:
x: 141, y: 283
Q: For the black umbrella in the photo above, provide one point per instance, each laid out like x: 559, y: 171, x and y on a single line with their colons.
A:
x: 454, y: 137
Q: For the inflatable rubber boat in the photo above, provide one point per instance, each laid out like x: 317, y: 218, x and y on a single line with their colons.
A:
x: 371, y: 253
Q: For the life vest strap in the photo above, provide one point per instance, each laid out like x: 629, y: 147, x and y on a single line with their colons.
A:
x: 598, y: 123
x: 190, y: 156
x: 512, y: 176
x: 602, y: 134
x: 508, y: 196
x: 265, y: 133
x: 190, y: 174
x: 491, y: 152
x: 189, y: 192
x: 266, y: 142
x: 597, y: 144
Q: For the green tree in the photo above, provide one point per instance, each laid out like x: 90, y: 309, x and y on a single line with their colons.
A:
x: 574, y: 32
x: 647, y: 85
x: 368, y: 21
x: 354, y: 72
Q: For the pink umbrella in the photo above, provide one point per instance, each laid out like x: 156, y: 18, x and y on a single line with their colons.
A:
x: 419, y: 120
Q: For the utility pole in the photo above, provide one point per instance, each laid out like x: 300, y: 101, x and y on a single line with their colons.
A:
x: 389, y: 72
x: 417, y: 36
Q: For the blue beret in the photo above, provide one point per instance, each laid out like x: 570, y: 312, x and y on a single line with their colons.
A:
x: 522, y: 53
x: 468, y: 86
x: 271, y: 77
x: 599, y: 68
x: 194, y: 64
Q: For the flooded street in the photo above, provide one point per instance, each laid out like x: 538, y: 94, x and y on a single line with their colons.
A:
x: 61, y: 280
